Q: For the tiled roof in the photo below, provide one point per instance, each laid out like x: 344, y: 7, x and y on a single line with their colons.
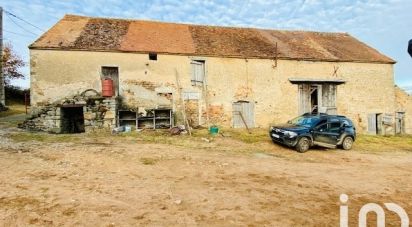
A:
x: 103, y: 34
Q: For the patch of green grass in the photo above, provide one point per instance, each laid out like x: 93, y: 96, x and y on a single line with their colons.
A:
x: 255, y: 136
x: 43, y: 137
x: 384, y: 143
x: 148, y: 161
x: 14, y: 109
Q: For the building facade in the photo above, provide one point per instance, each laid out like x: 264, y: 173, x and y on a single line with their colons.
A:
x: 231, y: 77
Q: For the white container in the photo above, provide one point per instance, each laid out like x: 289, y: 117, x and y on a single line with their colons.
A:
x: 128, y: 128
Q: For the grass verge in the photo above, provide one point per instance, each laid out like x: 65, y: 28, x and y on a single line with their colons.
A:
x: 14, y: 109
x: 384, y: 143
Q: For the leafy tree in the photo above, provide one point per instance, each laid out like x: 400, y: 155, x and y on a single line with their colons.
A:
x: 11, y: 64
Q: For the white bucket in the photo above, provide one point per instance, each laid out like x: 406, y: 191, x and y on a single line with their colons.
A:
x: 128, y: 128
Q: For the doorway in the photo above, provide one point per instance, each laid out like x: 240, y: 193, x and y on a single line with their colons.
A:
x: 317, y: 98
x: 400, y: 123
x: 375, y: 126
x: 109, y: 72
x: 314, y: 100
x: 243, y: 114
x: 72, y: 119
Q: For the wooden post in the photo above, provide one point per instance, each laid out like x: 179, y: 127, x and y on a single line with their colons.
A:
x: 244, y: 121
x: 2, y: 91
x: 25, y: 101
x: 206, y: 102
x: 183, y: 107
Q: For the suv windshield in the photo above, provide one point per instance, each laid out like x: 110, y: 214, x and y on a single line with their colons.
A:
x: 306, y: 121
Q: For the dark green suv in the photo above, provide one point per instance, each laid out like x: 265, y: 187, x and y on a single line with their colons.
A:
x: 315, y: 129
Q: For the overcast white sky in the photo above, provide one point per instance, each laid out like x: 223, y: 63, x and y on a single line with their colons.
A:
x: 383, y: 24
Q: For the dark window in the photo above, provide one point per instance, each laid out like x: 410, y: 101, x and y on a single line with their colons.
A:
x: 322, y: 127
x: 153, y: 56
x: 334, y: 127
x: 307, y: 121
x: 323, y: 121
x: 346, y: 123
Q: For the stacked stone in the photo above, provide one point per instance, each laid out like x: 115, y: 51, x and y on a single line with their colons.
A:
x: 100, y: 115
x: 45, y: 119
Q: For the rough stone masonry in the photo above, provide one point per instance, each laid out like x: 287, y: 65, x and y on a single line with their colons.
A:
x: 98, y: 113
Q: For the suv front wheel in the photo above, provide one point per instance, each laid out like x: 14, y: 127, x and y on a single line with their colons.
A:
x: 347, y: 143
x: 303, y: 145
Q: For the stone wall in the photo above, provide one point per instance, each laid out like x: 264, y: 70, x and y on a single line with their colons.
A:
x: 101, y: 114
x: 44, y: 119
x: 404, y: 104
x: 98, y: 113
x: 2, y: 94
x: 368, y: 87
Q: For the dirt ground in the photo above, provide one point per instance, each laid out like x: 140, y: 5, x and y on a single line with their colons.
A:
x: 149, y: 179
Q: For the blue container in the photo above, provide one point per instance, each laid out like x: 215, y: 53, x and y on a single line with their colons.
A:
x: 214, y: 130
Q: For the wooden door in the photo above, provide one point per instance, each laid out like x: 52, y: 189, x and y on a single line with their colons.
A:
x: 243, y: 113
x: 329, y: 99
x: 372, y: 124
x: 304, y: 99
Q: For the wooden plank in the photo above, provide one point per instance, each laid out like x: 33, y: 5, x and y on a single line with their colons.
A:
x: 244, y: 122
x: 243, y: 115
x: 249, y: 113
x: 183, y: 108
x: 372, y: 124
x: 304, y: 98
x: 236, y: 118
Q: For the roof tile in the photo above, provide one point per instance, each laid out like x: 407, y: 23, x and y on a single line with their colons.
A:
x: 85, y: 33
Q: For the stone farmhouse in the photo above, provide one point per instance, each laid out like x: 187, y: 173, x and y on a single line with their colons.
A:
x: 231, y: 77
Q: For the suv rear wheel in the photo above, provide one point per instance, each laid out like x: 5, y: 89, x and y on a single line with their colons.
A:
x: 303, y: 145
x: 347, y: 143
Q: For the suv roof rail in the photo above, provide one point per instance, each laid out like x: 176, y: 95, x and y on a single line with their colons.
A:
x: 337, y: 116
x: 314, y: 114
